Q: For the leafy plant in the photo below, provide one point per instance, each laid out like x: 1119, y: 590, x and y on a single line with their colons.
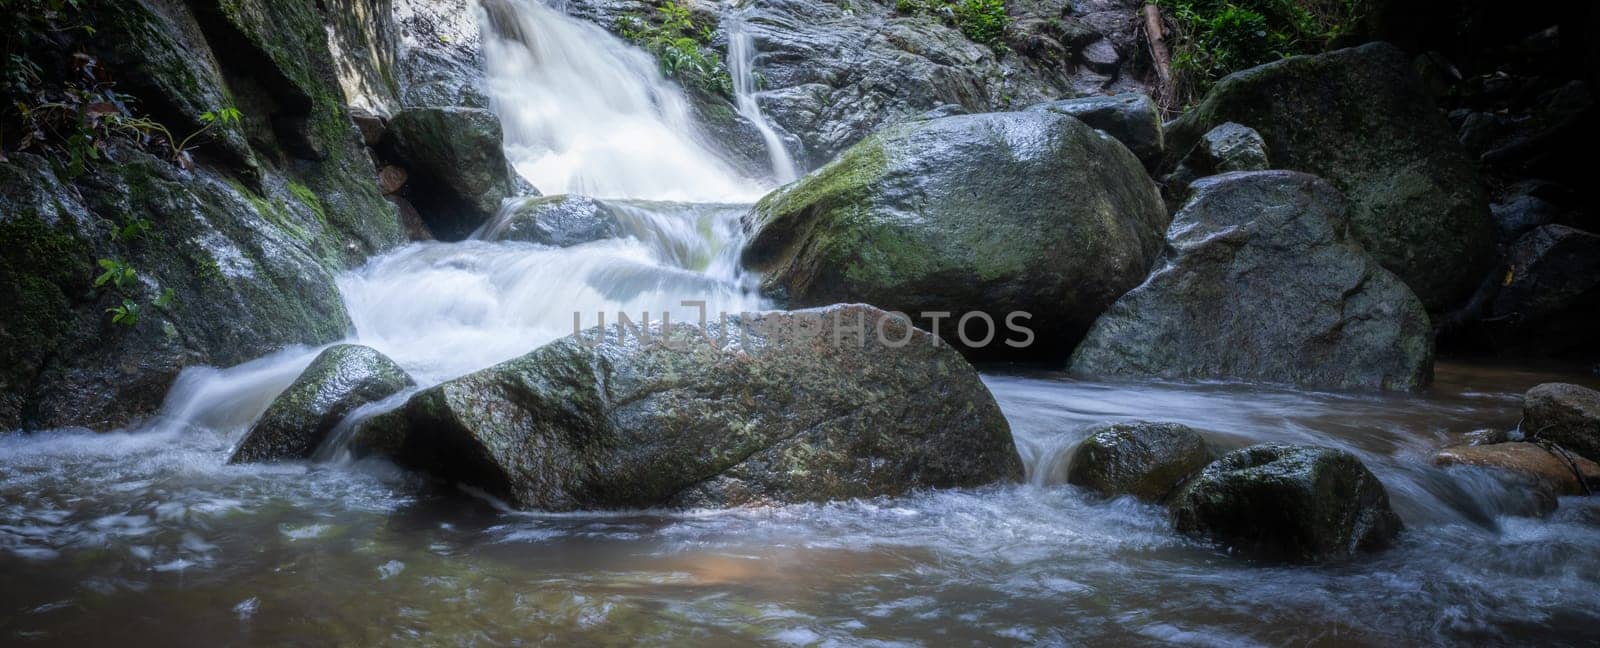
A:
x: 681, y: 47
x: 1214, y: 38
x: 126, y: 313
x: 981, y: 21
x: 117, y: 273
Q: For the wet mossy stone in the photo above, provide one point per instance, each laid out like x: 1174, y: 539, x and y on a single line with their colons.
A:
x: 1566, y: 415
x: 1360, y: 119
x: 996, y: 213
x: 340, y: 379
x: 1261, y: 283
x: 458, y: 168
x: 1288, y: 503
x: 1145, y: 460
x: 777, y: 407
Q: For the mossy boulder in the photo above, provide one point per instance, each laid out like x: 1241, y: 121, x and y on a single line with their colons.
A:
x: 1288, y: 503
x: 1360, y: 119
x: 340, y: 379
x: 457, y: 168
x: 1566, y: 415
x: 777, y: 407
x: 995, y: 213
x: 1145, y: 460
x: 230, y: 258
x: 1262, y: 283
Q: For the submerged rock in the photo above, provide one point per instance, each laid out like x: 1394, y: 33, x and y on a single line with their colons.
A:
x: 1131, y: 118
x: 1000, y: 213
x: 1566, y: 415
x: 1145, y: 460
x: 1260, y: 283
x: 560, y: 221
x: 1291, y: 503
x: 1360, y: 119
x: 1558, y: 472
x: 340, y: 379
x: 458, y: 171
x: 779, y: 407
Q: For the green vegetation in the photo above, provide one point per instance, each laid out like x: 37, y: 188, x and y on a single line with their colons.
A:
x: 681, y: 46
x: 1214, y: 38
x: 981, y: 21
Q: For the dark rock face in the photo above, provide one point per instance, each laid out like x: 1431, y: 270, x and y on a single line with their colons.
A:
x: 247, y: 241
x: 769, y: 409
x: 1566, y: 415
x: 559, y: 221
x: 998, y: 212
x: 1131, y: 118
x: 835, y: 72
x: 458, y: 171
x: 1360, y: 119
x: 341, y: 378
x: 1145, y: 460
x: 1260, y: 283
x: 1549, y: 299
x: 1289, y: 503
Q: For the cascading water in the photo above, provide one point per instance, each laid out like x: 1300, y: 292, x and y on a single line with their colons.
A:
x: 741, y: 58
x: 585, y: 113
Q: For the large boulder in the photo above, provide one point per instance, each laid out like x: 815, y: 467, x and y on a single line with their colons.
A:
x: 457, y: 168
x: 1564, y: 414
x: 1290, y: 503
x: 1547, y: 469
x: 1261, y: 283
x: 1132, y: 118
x: 1145, y: 460
x: 814, y: 405
x: 994, y: 213
x: 1360, y: 119
x: 340, y: 379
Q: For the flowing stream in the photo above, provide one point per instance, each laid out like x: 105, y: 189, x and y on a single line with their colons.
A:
x: 147, y: 537
x: 741, y: 61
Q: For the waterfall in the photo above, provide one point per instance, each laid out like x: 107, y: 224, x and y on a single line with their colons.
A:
x: 586, y: 113
x: 583, y: 112
x: 741, y: 58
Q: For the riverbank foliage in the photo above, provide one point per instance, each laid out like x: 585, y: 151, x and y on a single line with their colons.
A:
x: 1214, y: 38
x: 681, y: 45
x: 981, y: 21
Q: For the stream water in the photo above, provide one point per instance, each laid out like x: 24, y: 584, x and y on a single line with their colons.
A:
x: 146, y: 536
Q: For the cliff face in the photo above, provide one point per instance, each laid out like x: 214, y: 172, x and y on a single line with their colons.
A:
x: 126, y: 253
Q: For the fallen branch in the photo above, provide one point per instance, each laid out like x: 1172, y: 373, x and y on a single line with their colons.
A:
x: 1155, y: 35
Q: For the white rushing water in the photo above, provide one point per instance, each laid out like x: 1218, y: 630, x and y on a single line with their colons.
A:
x: 586, y: 113
x: 741, y: 61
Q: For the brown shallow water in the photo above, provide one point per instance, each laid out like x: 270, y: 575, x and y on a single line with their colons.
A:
x: 146, y: 538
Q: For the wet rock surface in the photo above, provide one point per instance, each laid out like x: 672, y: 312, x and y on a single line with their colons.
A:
x: 1261, y: 283
x: 340, y: 379
x: 1566, y: 415
x: 779, y: 410
x: 995, y: 213
x: 1296, y: 504
x: 1131, y: 118
x: 1360, y: 119
x: 1145, y: 460
x: 457, y: 169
